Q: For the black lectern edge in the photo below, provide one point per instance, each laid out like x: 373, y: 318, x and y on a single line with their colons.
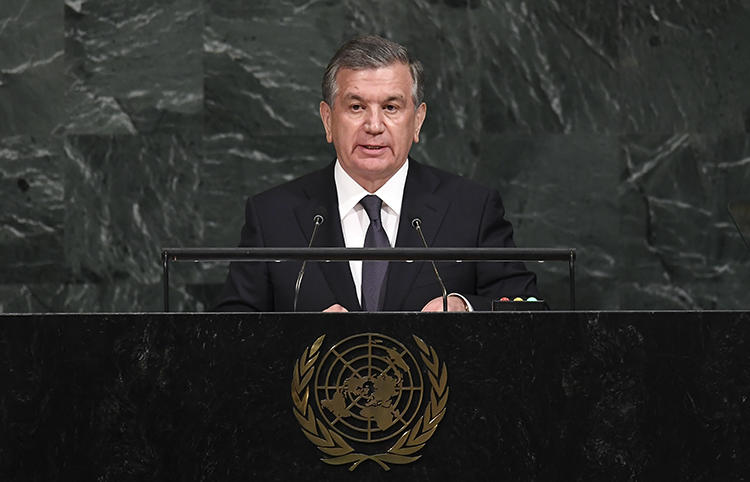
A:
x: 89, y: 314
x: 348, y: 254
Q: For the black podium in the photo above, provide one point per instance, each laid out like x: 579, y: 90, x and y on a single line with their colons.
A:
x: 526, y: 396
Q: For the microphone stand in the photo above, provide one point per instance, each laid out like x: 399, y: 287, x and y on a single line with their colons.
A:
x: 417, y: 225
x: 318, y: 220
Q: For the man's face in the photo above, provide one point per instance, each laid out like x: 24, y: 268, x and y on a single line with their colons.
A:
x: 373, y: 122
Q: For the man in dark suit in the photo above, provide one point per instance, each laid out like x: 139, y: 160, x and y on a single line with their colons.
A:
x: 372, y: 112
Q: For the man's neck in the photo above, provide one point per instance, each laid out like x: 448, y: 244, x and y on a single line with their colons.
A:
x: 350, y: 191
x: 371, y: 185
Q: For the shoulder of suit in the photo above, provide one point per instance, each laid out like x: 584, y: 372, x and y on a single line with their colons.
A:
x: 449, y: 179
x: 298, y: 186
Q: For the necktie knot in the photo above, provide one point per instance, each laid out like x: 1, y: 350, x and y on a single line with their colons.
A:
x: 372, y: 205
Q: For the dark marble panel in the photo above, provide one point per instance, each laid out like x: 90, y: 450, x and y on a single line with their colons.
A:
x: 127, y: 197
x: 74, y: 296
x: 193, y: 287
x: 549, y: 66
x: 33, y: 298
x: 684, y: 66
x: 569, y: 203
x: 133, y: 66
x: 32, y: 218
x: 664, y: 84
x: 681, y: 248
x: 263, y: 64
x: 31, y: 67
x: 533, y: 396
x: 456, y: 152
x: 124, y: 294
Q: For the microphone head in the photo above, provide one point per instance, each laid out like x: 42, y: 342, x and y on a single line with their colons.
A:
x: 416, y: 223
x: 320, y: 215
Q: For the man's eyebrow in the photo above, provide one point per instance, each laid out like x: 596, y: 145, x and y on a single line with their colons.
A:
x: 354, y: 97
x: 358, y: 98
x: 399, y: 98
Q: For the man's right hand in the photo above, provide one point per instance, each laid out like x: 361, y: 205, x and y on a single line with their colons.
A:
x: 337, y: 308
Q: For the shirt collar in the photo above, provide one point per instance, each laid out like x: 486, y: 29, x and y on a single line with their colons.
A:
x: 350, y: 193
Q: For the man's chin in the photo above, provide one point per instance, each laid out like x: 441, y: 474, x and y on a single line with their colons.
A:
x: 373, y: 170
x: 383, y: 162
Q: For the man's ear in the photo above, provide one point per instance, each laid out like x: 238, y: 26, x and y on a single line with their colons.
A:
x: 421, y: 114
x: 325, y: 116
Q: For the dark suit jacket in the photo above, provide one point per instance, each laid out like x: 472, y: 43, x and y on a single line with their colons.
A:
x: 455, y: 212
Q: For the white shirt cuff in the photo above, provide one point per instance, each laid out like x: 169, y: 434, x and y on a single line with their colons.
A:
x: 466, y: 302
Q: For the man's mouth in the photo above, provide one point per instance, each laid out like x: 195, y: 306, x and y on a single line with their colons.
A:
x: 371, y: 147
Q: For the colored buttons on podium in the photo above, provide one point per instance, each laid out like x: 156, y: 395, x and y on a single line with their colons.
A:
x: 518, y: 303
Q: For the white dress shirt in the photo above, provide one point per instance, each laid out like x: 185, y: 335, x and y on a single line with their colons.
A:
x: 354, y: 219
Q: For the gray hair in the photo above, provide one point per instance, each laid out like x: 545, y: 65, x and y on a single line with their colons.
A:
x: 372, y: 52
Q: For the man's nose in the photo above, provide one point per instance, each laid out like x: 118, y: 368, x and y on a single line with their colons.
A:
x: 374, y: 121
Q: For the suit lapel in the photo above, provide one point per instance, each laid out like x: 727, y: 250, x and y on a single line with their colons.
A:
x: 323, y: 200
x: 420, y: 201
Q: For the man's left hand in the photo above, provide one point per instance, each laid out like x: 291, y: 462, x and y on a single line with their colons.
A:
x: 455, y: 303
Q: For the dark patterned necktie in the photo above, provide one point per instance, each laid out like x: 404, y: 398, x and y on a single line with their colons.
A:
x: 373, y: 272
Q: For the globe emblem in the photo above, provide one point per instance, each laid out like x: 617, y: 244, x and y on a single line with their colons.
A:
x: 369, y: 387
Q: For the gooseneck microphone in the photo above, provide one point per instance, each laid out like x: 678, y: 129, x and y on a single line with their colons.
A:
x: 317, y: 221
x: 416, y: 223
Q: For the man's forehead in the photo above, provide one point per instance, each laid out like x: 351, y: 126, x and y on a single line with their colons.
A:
x: 394, y: 71
x: 392, y: 81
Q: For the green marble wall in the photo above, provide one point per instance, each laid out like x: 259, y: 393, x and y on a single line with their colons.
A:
x: 620, y: 128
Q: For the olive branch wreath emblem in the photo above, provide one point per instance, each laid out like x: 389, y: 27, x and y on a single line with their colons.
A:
x: 411, y: 441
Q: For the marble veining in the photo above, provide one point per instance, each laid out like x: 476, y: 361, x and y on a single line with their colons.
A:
x: 619, y: 128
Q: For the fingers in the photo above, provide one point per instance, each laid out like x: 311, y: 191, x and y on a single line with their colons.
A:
x: 454, y: 304
x: 435, y: 304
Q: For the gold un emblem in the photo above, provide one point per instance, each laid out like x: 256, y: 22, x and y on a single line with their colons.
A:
x: 367, y: 399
